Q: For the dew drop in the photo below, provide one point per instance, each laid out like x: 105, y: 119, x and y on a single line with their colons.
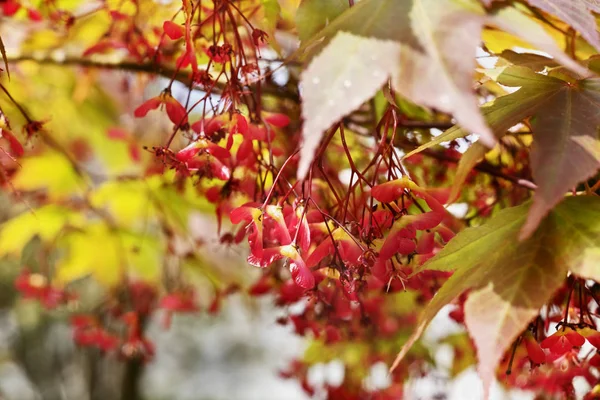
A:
x: 316, y: 81
x: 347, y: 83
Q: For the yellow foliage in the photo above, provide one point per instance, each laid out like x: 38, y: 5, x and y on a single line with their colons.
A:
x: 50, y: 172
x: 108, y: 255
x: 174, y: 206
x: 127, y: 201
x: 47, y: 222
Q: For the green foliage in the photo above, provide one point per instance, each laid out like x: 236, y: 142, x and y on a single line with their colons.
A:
x: 510, y: 280
x: 314, y: 15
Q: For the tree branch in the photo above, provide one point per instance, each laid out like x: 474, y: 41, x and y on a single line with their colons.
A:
x: 484, y: 167
x: 149, y: 68
x: 144, y: 67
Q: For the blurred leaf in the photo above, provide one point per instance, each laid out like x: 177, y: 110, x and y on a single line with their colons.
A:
x: 31, y: 253
x: 350, y: 353
x: 464, y: 353
x: 413, y: 111
x: 50, y: 172
x: 109, y: 255
x: 467, y: 162
x: 127, y: 201
x: 47, y: 222
x: 497, y: 40
x: 270, y: 12
x: 176, y: 205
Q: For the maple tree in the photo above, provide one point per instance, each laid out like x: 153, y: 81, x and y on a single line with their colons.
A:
x: 333, y: 141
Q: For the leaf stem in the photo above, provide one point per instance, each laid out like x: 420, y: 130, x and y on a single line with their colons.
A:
x: 566, y: 316
x: 512, y: 355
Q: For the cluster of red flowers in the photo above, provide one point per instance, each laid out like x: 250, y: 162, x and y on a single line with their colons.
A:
x: 347, y: 258
x: 114, y: 328
x: 37, y: 286
x: 340, y: 257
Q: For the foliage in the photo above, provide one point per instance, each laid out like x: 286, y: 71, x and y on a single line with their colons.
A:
x: 333, y: 137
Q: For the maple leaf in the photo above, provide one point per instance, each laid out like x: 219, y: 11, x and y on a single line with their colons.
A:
x: 501, y: 114
x: 432, y: 37
x: 445, y: 66
x: 576, y: 13
x: 565, y: 149
x: 334, y: 86
x: 442, y: 79
x: 313, y: 15
x: 532, y: 61
x: 381, y: 19
x: 506, y: 111
x: 515, y: 22
x: 511, y: 280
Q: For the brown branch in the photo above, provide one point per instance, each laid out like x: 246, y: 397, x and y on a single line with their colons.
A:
x: 144, y: 67
x: 484, y: 167
x: 129, y: 66
x: 147, y: 67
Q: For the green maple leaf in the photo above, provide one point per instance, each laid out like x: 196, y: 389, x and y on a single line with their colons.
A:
x: 380, y: 19
x: 565, y: 150
x: 314, y: 15
x: 510, y: 280
x: 506, y: 111
x: 565, y: 121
